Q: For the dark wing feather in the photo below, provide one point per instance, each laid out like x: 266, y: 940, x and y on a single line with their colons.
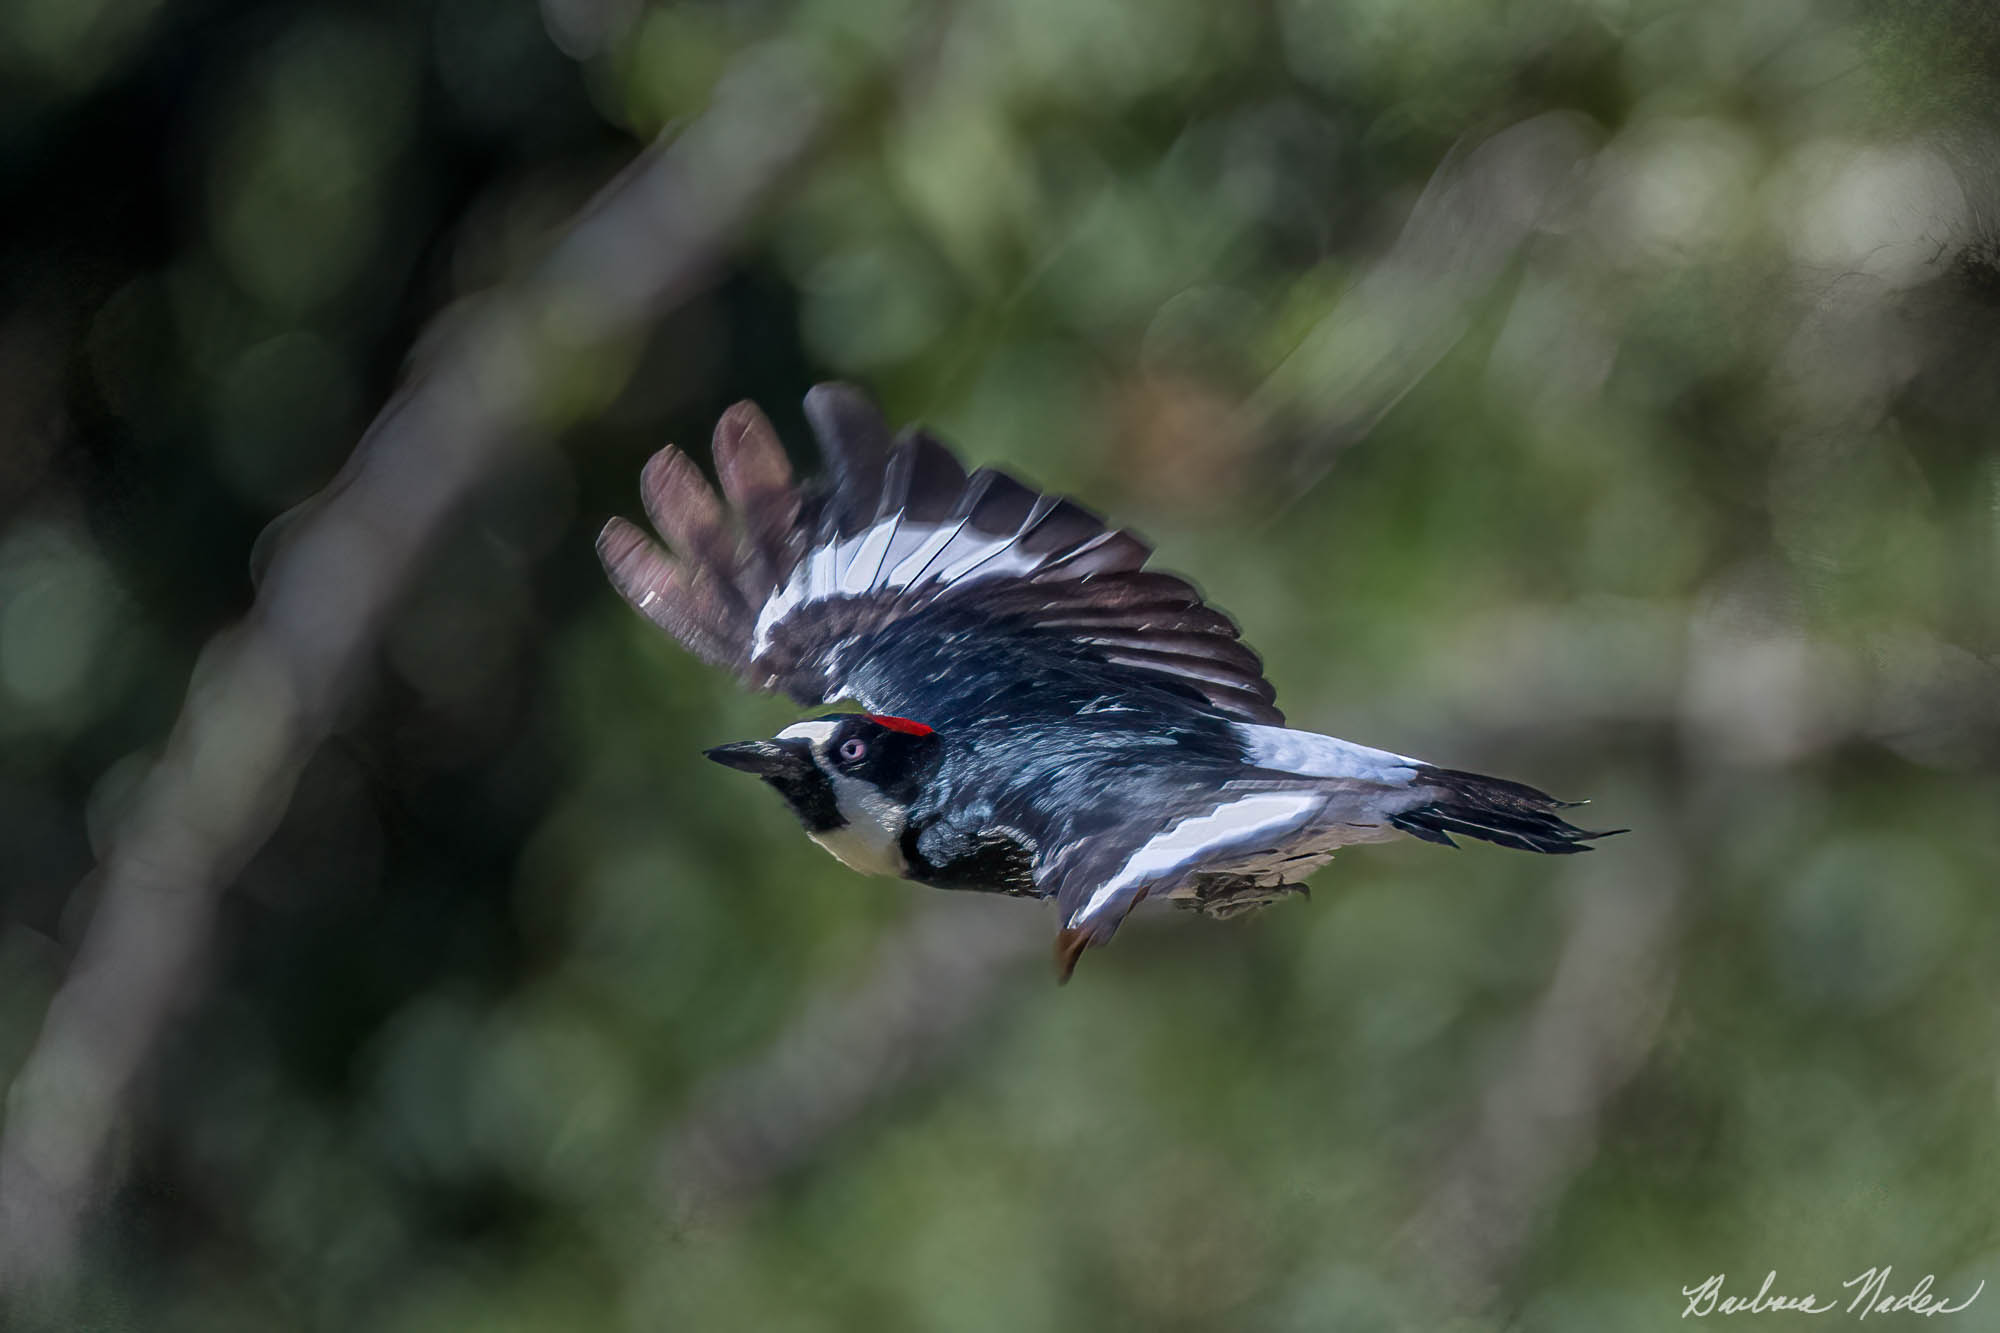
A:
x: 688, y: 514
x: 757, y: 478
x: 790, y: 589
x: 683, y: 600
x: 855, y: 441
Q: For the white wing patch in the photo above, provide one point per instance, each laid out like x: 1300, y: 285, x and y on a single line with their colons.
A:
x: 775, y: 609
x: 889, y: 555
x: 865, y: 565
x: 1312, y: 755
x: 908, y: 569
x: 1200, y: 837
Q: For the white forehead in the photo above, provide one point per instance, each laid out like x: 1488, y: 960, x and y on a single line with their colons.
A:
x: 818, y: 732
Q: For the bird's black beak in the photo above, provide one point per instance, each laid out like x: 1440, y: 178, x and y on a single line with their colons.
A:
x: 767, y: 759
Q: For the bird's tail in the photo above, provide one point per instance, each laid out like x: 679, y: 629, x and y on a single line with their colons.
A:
x: 1511, y: 814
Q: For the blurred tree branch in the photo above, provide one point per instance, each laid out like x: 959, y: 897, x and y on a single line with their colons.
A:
x: 1399, y: 319
x: 489, y: 380
x: 1537, y: 1120
x: 1752, y: 696
x: 930, y: 983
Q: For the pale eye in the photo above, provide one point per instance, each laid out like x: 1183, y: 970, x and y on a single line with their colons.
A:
x: 853, y: 750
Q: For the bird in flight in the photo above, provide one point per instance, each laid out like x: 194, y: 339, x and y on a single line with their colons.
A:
x: 1041, y: 715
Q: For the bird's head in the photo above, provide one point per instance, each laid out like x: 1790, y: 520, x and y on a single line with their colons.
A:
x: 851, y: 778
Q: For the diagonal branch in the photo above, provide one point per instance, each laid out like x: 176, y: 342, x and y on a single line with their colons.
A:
x: 266, y: 692
x: 933, y: 981
x: 1481, y: 208
x: 1537, y: 1123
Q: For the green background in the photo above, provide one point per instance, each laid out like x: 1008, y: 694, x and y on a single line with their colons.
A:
x: 1684, y: 497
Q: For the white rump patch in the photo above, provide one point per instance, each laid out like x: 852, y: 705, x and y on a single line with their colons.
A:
x: 1197, y: 837
x: 1312, y: 755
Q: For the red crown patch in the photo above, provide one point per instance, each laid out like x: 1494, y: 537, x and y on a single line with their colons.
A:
x: 902, y: 724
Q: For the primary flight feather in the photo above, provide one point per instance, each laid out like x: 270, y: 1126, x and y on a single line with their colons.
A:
x: 1044, y: 716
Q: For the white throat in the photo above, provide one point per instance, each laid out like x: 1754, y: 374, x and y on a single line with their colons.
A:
x: 872, y: 839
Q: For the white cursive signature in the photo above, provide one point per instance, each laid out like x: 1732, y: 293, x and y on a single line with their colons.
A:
x: 1870, y: 1288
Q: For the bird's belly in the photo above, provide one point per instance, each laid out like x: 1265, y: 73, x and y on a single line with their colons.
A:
x: 1287, y: 863
x: 1246, y: 883
x: 1277, y: 866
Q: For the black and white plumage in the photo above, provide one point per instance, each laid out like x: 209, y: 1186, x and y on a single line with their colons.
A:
x: 1044, y: 716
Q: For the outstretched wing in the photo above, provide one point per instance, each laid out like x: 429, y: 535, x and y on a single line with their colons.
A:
x: 794, y: 588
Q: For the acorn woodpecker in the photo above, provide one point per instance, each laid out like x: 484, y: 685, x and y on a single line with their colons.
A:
x: 1041, y: 714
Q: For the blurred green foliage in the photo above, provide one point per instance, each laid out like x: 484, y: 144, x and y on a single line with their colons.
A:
x: 1697, y: 515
